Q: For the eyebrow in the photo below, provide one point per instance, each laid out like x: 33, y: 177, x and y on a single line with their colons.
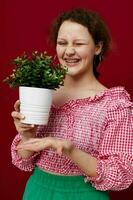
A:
x: 77, y: 40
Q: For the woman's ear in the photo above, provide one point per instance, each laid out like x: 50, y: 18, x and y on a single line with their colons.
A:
x: 99, y: 47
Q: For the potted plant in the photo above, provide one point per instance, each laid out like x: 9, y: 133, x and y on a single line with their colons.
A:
x: 36, y: 76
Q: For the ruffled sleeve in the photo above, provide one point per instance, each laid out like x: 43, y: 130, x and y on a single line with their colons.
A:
x: 115, y: 158
x: 25, y: 164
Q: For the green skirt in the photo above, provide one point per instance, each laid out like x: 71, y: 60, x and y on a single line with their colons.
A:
x: 45, y: 186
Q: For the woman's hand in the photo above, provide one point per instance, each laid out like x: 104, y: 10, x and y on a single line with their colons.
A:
x: 83, y: 160
x: 26, y: 130
x: 61, y: 146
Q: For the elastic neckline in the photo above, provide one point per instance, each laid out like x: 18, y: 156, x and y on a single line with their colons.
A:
x: 106, y: 92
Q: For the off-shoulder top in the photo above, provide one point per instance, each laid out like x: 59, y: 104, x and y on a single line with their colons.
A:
x: 101, y: 126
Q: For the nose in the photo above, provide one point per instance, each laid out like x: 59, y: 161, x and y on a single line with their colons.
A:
x: 70, y: 50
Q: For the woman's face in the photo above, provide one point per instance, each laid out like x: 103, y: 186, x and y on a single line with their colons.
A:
x: 76, y: 48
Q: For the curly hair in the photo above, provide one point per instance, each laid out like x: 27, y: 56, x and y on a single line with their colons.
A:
x: 95, y: 25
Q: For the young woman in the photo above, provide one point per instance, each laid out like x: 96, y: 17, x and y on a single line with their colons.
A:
x: 86, y: 148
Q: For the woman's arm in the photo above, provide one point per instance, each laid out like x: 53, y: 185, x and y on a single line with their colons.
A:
x: 112, y: 169
x: 24, y: 153
x: 23, y: 159
x: 86, y: 162
x: 83, y: 160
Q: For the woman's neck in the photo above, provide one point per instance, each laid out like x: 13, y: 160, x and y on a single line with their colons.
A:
x: 77, y: 88
x: 82, y: 82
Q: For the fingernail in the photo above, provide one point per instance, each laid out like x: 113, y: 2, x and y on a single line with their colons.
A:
x: 32, y: 125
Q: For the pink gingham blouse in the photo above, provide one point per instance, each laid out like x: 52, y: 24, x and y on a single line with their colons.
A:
x: 102, y: 126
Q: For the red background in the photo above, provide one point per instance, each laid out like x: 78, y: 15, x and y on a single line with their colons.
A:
x: 24, y: 27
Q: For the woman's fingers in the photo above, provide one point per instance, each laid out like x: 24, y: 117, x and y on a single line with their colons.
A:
x: 39, y: 144
x: 32, y: 141
x: 17, y: 115
x: 26, y: 130
x: 32, y: 145
x: 17, y: 106
x: 60, y: 150
x: 27, y: 126
x: 35, y: 144
x: 21, y: 127
x: 29, y: 147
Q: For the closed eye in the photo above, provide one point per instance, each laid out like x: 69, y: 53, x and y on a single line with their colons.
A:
x: 61, y: 43
x: 79, y: 44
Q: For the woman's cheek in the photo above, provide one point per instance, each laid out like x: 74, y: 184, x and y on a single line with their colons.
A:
x: 59, y: 51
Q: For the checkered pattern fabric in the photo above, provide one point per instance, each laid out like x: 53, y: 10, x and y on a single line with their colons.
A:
x: 102, y: 126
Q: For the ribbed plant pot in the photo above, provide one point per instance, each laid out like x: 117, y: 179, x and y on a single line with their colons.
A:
x: 35, y: 104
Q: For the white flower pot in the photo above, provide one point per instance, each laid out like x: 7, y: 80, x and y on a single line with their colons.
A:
x: 35, y: 104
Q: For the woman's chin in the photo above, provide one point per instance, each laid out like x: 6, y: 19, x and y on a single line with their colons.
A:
x: 73, y: 72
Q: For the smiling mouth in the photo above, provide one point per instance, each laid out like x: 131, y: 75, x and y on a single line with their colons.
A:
x: 72, y: 62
